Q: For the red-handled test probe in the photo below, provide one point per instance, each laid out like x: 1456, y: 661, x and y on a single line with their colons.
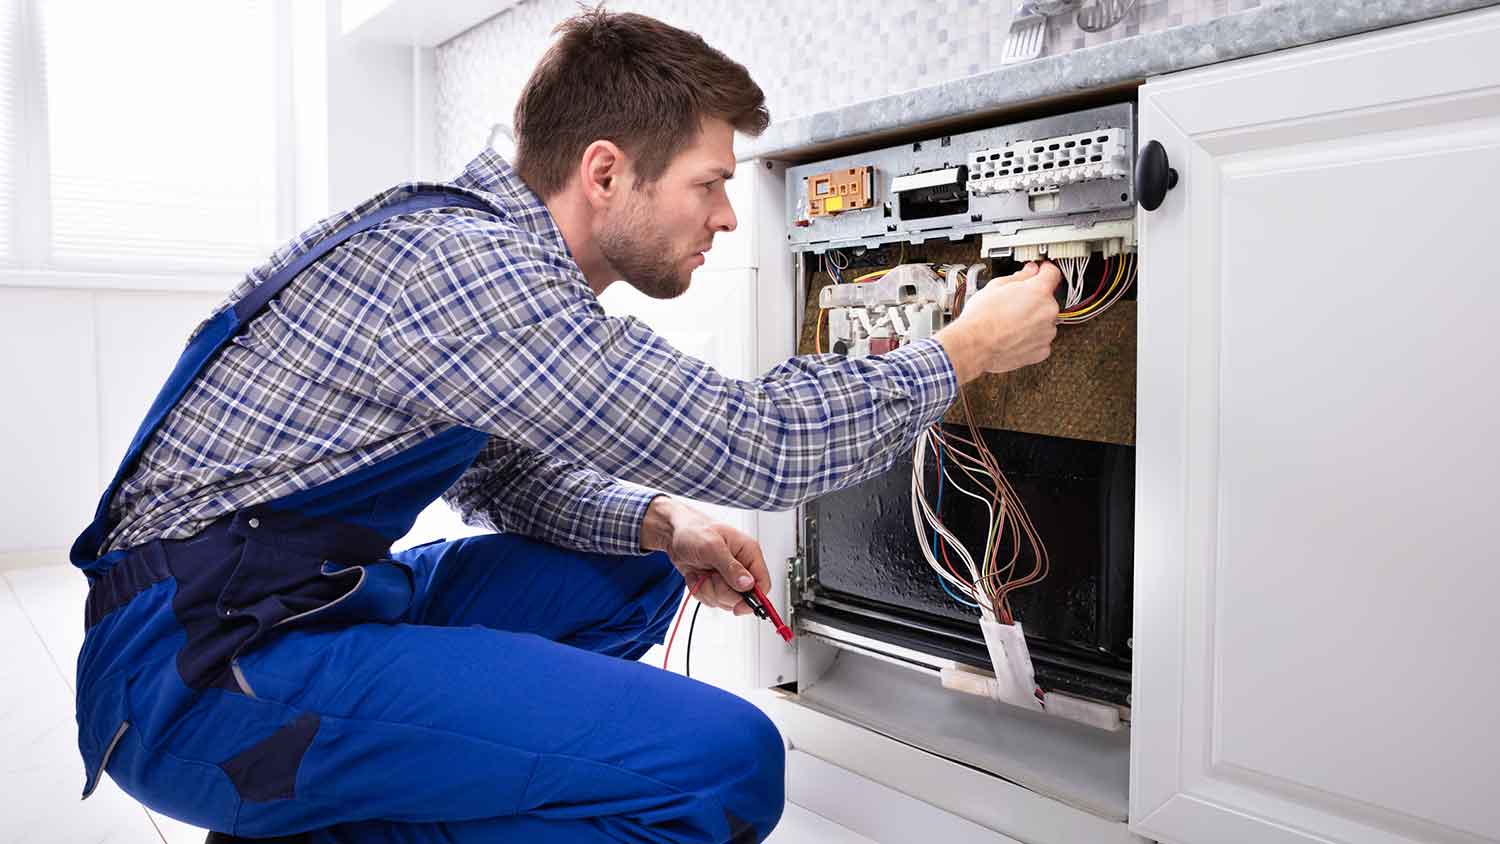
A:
x: 763, y: 608
x: 759, y: 605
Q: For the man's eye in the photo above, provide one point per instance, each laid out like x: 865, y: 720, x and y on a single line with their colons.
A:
x: 709, y: 185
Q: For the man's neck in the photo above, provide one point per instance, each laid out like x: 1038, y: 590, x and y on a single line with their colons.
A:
x: 572, y: 218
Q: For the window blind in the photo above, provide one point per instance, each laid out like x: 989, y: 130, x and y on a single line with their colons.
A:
x: 9, y: 12
x: 161, y: 133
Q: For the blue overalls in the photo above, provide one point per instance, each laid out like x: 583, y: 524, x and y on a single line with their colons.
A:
x: 282, y: 671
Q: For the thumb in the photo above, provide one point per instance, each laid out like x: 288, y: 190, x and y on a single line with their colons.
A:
x: 1047, y: 277
x: 1026, y: 271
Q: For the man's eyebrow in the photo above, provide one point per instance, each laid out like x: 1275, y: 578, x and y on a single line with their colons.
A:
x: 724, y: 174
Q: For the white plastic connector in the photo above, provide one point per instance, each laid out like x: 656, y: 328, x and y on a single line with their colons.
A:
x: 1110, y: 237
x: 1015, y: 680
x: 969, y: 681
x: 1032, y: 252
x: 961, y: 678
x: 1068, y: 249
x: 1093, y: 713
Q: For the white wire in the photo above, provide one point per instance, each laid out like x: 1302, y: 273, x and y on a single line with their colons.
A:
x: 989, y: 540
x: 1119, y: 293
x: 920, y: 511
x: 1083, y: 268
x: 1075, y: 286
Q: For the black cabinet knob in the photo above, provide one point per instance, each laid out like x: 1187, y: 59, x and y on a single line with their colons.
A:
x: 1154, y: 176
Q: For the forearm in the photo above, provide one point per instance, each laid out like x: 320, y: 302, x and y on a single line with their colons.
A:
x: 518, y: 490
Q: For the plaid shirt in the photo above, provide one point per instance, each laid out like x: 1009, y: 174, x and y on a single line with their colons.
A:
x: 456, y: 317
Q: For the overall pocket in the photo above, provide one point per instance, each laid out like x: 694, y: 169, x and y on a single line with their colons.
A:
x: 381, y: 593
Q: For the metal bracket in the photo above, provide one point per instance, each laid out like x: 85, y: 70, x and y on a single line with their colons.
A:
x: 796, y: 572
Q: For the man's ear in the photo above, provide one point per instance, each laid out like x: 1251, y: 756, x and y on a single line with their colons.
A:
x: 603, y: 173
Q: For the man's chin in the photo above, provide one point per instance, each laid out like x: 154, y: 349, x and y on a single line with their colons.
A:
x: 660, y: 288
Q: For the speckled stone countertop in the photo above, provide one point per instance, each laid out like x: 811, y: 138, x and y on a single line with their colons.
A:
x: 1248, y: 33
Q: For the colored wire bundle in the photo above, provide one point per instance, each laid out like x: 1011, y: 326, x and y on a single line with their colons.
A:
x: 1114, y: 282
x: 834, y: 263
x: 1073, y: 270
x: 968, y: 466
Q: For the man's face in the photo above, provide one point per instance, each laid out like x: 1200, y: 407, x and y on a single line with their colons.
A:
x: 655, y: 236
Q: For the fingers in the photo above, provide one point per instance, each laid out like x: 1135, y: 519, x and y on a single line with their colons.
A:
x: 731, y: 569
x: 1047, y: 277
x: 746, y: 567
x: 718, y: 594
x: 717, y: 550
x: 1030, y: 268
x: 749, y: 554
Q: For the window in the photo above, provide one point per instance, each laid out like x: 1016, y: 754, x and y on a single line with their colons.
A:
x: 151, y: 136
x: 8, y: 107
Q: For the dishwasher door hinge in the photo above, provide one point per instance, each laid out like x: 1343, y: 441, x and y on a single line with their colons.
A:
x: 796, y: 575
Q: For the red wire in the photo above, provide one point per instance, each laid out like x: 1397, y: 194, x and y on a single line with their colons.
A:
x: 691, y: 592
x: 943, y: 544
x: 1103, y: 283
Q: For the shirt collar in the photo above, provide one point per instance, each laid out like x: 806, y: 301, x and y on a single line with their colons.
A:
x: 492, y: 174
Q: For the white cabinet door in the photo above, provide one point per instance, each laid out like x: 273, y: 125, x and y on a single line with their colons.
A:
x: 1317, y: 640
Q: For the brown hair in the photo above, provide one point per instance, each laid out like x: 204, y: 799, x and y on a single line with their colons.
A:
x: 632, y: 80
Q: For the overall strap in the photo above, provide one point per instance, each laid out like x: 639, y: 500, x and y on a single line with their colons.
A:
x: 225, y: 325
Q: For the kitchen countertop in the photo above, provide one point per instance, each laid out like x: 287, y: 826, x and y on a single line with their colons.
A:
x: 1248, y: 33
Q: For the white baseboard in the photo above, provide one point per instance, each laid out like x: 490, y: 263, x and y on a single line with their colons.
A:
x: 876, y: 811
x: 12, y: 560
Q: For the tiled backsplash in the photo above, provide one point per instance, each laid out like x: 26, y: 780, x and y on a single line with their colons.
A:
x: 911, y: 44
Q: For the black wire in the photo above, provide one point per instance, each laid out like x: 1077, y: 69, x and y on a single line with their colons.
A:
x: 691, y: 624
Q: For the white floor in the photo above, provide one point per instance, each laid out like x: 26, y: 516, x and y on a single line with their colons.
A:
x: 41, y: 628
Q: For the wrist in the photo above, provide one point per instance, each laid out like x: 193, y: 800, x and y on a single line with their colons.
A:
x: 958, y: 342
x: 656, y: 526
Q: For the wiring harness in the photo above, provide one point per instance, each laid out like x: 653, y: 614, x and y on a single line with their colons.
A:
x: 1114, y: 282
x: 967, y: 466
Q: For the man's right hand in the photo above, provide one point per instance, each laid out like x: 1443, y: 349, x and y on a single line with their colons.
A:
x: 702, y: 548
x: 1007, y: 325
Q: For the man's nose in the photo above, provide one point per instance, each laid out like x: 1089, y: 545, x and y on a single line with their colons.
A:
x: 723, y: 219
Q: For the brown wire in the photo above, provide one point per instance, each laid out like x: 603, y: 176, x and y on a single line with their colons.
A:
x: 1011, y: 511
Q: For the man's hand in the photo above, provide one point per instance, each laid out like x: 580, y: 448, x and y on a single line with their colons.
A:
x: 699, y: 546
x: 1007, y: 325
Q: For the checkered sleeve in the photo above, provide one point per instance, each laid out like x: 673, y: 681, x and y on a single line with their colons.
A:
x: 517, y: 489
x: 500, y: 334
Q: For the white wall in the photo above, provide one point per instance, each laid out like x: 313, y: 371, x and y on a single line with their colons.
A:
x: 370, y: 136
x: 78, y: 369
